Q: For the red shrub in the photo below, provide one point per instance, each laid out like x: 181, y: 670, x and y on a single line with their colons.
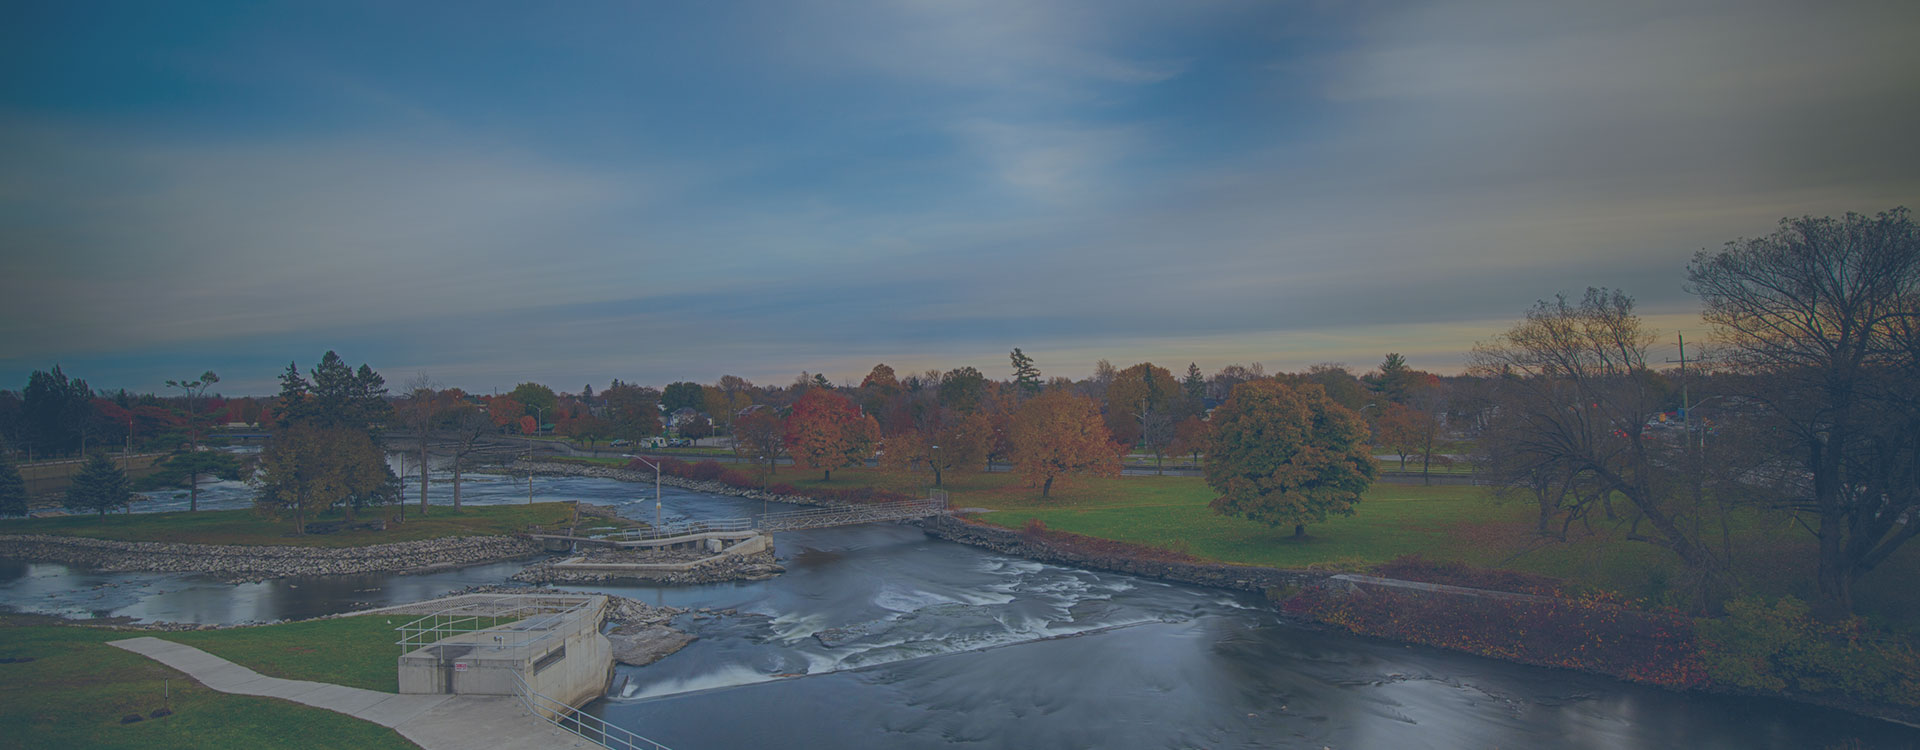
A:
x: 705, y: 471
x: 782, y: 488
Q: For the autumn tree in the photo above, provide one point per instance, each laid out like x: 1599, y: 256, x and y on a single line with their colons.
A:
x: 1401, y: 429
x: 589, y: 428
x: 682, y: 395
x: 1191, y: 437
x: 99, y: 487
x: 420, y: 411
x: 1058, y: 434
x: 192, y: 389
x: 633, y: 410
x: 13, y: 489
x: 697, y: 428
x: 1285, y: 454
x: 467, y: 424
x: 1823, y: 318
x: 1025, y: 375
x: 1140, y: 399
x: 759, y: 436
x: 307, y: 469
x: 959, y: 445
x: 827, y: 431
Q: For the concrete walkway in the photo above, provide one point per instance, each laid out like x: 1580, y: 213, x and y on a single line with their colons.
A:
x: 434, y: 722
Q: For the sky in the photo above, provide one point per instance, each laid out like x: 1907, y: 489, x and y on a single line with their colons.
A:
x: 490, y: 193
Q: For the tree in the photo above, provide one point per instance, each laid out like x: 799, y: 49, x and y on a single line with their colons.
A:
x: 1195, y: 386
x: 962, y: 388
x: 826, y: 432
x: 1191, y: 437
x: 1025, y: 375
x: 504, y: 411
x: 759, y: 435
x: 632, y: 411
x: 1058, y: 434
x: 100, y: 486
x: 193, y: 389
x: 419, y: 413
x: 681, y: 395
x: 959, y: 445
x: 467, y: 424
x: 1287, y: 455
x: 1395, y: 379
x: 52, y: 407
x: 538, y: 400
x: 1574, y: 396
x: 1140, y: 397
x: 307, y: 469
x: 1401, y: 429
x: 1822, y: 314
x: 696, y: 428
x: 13, y: 489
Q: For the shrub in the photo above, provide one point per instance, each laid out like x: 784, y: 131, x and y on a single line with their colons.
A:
x: 1034, y: 527
x: 1779, y: 646
x: 782, y: 488
x: 705, y: 471
x: 733, y: 478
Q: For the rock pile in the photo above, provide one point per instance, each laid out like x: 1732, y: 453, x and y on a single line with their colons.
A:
x: 752, y: 566
x: 247, y: 563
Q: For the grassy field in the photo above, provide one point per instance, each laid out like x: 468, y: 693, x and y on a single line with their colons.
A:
x: 246, y: 527
x: 1448, y: 523
x: 62, y: 686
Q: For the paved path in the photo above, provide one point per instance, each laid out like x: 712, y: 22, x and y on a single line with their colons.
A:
x: 434, y: 722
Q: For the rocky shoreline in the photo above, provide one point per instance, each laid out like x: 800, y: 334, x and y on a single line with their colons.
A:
x: 248, y: 563
x: 1216, y: 575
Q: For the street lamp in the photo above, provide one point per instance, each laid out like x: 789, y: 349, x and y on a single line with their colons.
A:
x: 657, y: 513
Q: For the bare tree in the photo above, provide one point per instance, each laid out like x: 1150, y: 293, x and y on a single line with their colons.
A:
x: 420, y: 413
x: 1823, y: 311
x: 1575, y: 395
x: 468, y: 424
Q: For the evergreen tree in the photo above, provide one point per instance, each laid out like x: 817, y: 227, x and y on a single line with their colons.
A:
x: 1025, y: 374
x: 13, y: 489
x: 98, y: 487
x: 294, y: 392
x: 1195, y: 385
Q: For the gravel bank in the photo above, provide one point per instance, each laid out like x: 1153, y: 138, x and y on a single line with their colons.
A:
x: 247, y: 563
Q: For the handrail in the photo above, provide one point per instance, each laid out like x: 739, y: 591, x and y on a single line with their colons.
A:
x: 581, y: 724
x: 492, y: 614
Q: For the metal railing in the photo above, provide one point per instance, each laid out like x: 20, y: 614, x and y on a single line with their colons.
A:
x: 581, y: 724
x: 515, y: 620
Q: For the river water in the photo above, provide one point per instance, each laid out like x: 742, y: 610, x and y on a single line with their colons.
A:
x: 878, y: 636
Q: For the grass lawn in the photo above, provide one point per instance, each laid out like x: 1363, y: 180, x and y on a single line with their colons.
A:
x: 76, y: 688
x: 246, y: 527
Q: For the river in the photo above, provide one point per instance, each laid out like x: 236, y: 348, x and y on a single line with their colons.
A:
x: 926, y: 643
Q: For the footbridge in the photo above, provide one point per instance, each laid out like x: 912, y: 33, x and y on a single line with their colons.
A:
x: 697, y: 530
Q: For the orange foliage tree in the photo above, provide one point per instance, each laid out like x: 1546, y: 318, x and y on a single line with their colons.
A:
x: 826, y: 432
x: 1058, y: 433
x: 961, y: 444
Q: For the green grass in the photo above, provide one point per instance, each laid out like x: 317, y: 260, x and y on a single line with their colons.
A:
x: 353, y: 651
x: 76, y: 689
x: 247, y: 527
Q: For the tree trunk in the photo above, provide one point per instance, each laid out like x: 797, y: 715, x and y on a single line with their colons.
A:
x: 936, y: 474
x: 1046, y: 488
x: 826, y: 475
x: 1299, y: 531
x: 456, y: 484
x: 1836, y: 593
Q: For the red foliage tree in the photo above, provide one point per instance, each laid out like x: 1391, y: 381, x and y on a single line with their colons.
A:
x: 1059, y: 433
x: 826, y: 432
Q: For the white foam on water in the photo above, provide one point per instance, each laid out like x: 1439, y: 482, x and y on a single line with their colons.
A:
x: 790, y: 628
x: 896, y: 599
x: 732, y: 675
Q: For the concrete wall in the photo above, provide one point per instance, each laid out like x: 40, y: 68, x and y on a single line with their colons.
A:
x: 571, y: 663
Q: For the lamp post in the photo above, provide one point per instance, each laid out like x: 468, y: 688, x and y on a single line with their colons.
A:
x: 658, y: 515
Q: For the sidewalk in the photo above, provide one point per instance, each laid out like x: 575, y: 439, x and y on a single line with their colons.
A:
x: 434, y: 722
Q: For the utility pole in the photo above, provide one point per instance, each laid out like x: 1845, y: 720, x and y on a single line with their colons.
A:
x: 1686, y: 395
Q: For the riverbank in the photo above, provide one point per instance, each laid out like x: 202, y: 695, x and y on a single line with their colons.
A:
x: 248, y: 563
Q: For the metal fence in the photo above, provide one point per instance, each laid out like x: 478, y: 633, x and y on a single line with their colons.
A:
x: 582, y: 724
x: 515, y: 620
